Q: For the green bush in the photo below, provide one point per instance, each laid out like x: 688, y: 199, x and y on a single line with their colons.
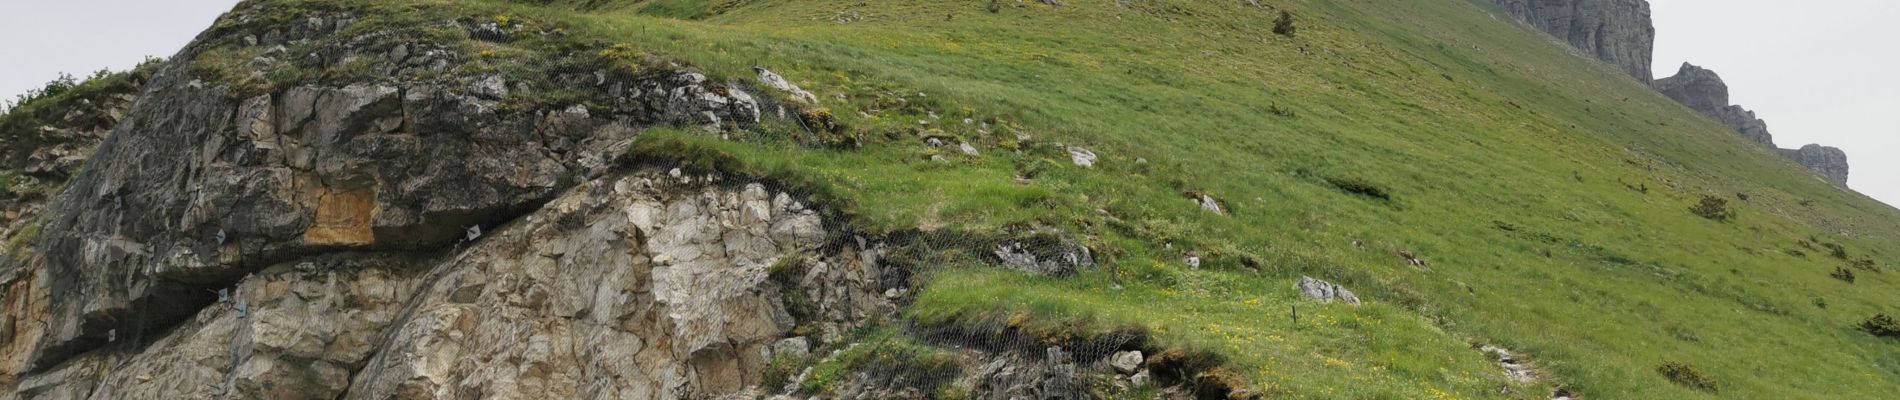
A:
x: 1843, y: 274
x: 1713, y: 208
x: 1686, y: 375
x: 1881, y: 325
x: 1284, y: 24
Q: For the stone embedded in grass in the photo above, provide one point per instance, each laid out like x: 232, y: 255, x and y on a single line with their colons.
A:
x: 775, y: 81
x: 1326, y: 291
x: 1515, y: 368
x: 1042, y: 253
x: 1208, y: 203
x: 1082, y: 157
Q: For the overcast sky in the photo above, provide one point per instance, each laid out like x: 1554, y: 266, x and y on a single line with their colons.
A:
x: 1819, y: 71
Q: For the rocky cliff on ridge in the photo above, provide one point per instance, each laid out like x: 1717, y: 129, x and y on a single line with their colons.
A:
x: 1702, y: 90
x: 1617, y: 32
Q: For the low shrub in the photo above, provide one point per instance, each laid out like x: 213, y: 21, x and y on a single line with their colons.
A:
x: 1881, y: 325
x: 1687, y: 375
x: 1713, y: 208
x: 1843, y: 274
x: 1283, y: 25
x: 1359, y: 186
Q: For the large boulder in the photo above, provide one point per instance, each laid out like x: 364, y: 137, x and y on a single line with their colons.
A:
x: 1617, y: 32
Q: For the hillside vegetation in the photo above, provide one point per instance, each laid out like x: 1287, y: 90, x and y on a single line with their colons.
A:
x: 1560, y: 209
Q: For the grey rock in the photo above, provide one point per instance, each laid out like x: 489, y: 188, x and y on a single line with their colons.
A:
x: 968, y: 150
x: 1618, y: 32
x: 1139, y: 378
x: 493, y: 87
x: 1830, y: 162
x: 1325, y: 291
x: 1208, y: 204
x: 1126, y: 362
x: 1082, y: 157
x: 773, y: 80
x: 1702, y: 90
x: 796, y: 347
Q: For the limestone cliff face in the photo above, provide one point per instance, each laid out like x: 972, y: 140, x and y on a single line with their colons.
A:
x: 1830, y: 162
x: 1703, y: 90
x: 1617, y: 32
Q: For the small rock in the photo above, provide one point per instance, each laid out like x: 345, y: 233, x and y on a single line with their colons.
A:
x: 1126, y: 362
x: 831, y: 332
x: 1139, y: 378
x: 797, y: 347
x: 1208, y: 203
x: 1325, y: 291
x: 399, y: 53
x: 493, y: 87
x: 1082, y: 157
x: 968, y: 150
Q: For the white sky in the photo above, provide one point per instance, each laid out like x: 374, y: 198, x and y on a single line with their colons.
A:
x: 46, y: 37
x: 1819, y: 71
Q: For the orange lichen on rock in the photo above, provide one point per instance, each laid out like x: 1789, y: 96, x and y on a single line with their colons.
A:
x: 344, y: 216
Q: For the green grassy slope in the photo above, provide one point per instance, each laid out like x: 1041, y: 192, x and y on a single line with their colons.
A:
x: 1550, y: 194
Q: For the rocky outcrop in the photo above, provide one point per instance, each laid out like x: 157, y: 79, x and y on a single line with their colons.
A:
x: 629, y: 286
x: 1703, y: 91
x: 414, y: 234
x: 204, y: 183
x: 1617, y: 32
x: 1324, y: 291
x: 1830, y: 162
